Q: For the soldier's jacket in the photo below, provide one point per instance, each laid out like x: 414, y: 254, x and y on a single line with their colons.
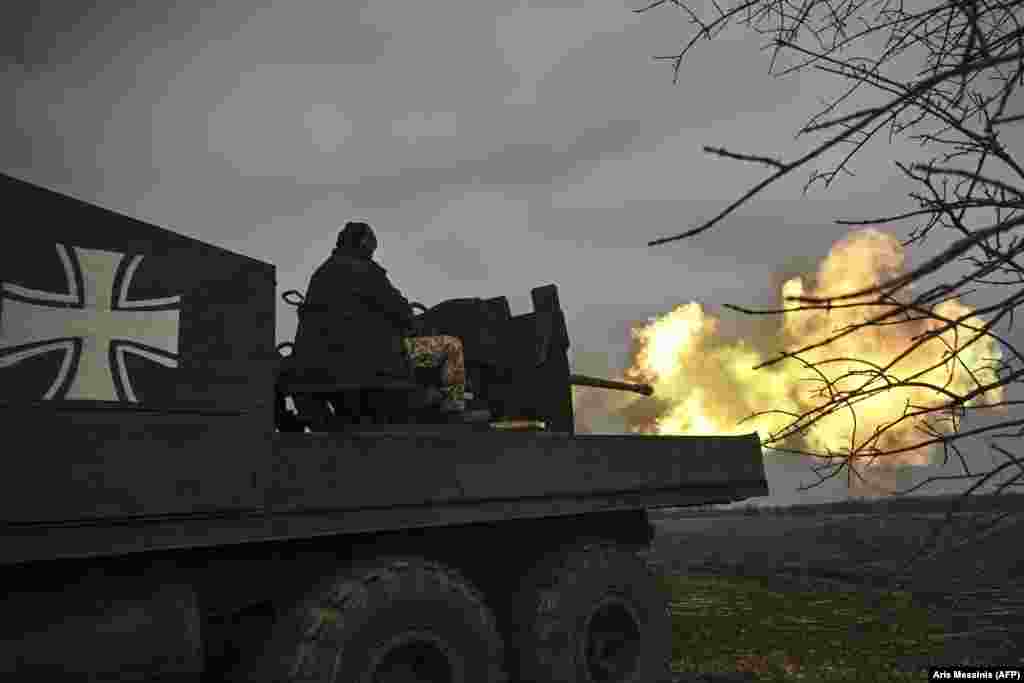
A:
x: 352, y: 322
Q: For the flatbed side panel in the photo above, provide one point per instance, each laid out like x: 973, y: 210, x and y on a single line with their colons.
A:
x: 351, y: 471
x: 105, y: 323
x: 72, y: 465
x: 25, y: 543
x: 334, y: 484
x: 98, y: 306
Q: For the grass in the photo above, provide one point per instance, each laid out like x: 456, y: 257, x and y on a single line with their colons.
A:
x: 725, y: 624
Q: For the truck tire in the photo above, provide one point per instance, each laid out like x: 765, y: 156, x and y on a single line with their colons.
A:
x: 591, y: 613
x: 395, y: 620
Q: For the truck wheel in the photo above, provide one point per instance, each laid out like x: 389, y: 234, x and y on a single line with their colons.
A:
x: 591, y: 613
x: 389, y: 621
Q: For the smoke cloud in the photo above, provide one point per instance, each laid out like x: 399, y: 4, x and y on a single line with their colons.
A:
x: 705, y: 382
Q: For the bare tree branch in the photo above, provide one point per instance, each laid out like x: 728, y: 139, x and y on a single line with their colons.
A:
x: 967, y: 61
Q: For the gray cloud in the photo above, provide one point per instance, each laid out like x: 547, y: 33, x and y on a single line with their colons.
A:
x: 41, y: 34
x: 512, y: 167
x: 451, y: 255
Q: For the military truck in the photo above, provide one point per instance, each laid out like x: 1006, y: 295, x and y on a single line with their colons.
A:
x: 179, y: 501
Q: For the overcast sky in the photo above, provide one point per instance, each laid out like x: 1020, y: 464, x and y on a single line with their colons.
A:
x: 493, y: 149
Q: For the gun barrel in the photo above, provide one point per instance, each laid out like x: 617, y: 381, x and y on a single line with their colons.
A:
x: 600, y: 383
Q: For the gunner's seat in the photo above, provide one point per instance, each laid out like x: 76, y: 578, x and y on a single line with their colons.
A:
x: 322, y: 401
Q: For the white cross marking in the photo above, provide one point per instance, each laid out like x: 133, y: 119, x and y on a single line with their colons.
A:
x: 94, y: 317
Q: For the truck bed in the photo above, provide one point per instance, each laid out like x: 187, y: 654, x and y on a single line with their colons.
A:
x: 317, y: 484
x: 138, y: 369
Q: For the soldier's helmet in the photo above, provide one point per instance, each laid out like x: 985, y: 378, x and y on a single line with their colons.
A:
x: 358, y: 236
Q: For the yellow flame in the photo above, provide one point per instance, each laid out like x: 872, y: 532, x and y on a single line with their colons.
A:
x: 707, y: 384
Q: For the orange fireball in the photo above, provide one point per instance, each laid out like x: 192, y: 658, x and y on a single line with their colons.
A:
x: 706, y: 384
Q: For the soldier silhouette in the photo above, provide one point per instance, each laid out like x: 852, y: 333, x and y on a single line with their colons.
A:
x: 356, y: 326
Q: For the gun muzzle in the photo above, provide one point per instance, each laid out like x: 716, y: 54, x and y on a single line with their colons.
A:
x: 600, y: 383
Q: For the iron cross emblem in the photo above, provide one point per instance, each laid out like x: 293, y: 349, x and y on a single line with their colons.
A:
x: 92, y: 324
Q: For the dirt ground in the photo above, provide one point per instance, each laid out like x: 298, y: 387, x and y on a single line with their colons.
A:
x: 976, y: 593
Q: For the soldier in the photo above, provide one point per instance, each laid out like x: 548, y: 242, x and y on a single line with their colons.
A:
x: 357, y: 325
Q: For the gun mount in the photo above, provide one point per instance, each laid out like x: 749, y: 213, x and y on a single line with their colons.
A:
x: 517, y: 367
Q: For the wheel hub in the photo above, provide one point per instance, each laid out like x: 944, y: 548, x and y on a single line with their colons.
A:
x: 413, y: 657
x: 611, y: 642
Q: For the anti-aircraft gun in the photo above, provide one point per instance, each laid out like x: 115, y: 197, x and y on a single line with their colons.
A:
x: 165, y: 516
x: 517, y: 370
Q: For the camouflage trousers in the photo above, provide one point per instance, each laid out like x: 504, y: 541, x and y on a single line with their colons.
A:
x: 444, y: 352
